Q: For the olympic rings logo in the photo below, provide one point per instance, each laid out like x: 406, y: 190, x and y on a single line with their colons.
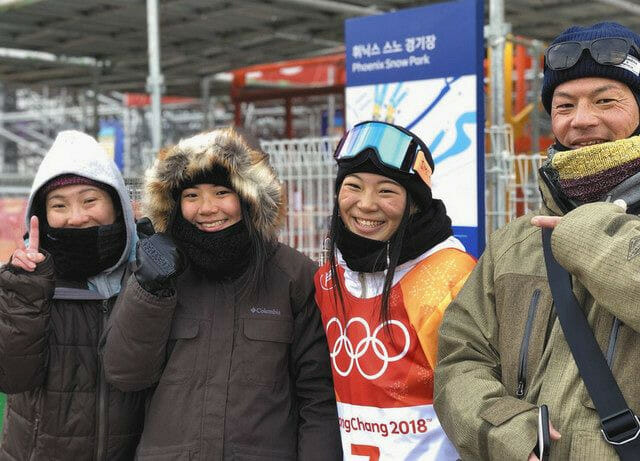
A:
x: 370, y: 340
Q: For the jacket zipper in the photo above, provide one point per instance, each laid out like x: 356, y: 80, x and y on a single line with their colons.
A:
x: 613, y: 338
x: 36, y: 426
x: 102, y: 394
x: 363, y: 284
x: 524, y: 348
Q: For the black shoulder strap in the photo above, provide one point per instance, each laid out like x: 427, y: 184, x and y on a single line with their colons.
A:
x: 620, y: 427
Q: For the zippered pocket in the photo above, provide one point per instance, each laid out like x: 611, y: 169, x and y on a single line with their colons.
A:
x: 524, y: 347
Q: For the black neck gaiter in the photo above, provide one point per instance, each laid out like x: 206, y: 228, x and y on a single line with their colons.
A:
x: 82, y: 253
x: 222, y: 255
x: 424, y: 230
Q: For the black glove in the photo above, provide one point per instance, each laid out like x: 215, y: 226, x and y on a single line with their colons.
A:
x: 144, y: 228
x: 158, y: 262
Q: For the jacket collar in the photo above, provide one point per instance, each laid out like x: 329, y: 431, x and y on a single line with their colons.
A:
x: 549, y: 204
x: 371, y: 284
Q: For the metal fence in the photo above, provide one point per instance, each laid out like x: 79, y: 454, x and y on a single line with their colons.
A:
x: 511, y: 184
x: 307, y: 171
x: 522, y: 188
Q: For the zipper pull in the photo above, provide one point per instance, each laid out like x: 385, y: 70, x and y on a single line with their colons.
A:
x: 520, y: 390
x: 388, y: 259
x: 36, y: 424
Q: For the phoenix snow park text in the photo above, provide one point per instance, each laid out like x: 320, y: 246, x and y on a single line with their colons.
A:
x: 390, y: 63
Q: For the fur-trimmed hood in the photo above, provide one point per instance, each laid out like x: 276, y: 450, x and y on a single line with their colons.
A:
x: 250, y: 173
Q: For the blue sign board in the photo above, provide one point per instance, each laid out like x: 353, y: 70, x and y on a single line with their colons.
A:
x: 421, y: 68
x: 111, y: 138
x: 439, y: 40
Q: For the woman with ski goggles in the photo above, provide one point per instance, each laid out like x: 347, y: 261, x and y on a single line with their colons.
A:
x: 392, y: 269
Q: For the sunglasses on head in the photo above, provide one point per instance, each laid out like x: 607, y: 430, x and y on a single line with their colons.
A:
x: 610, y: 51
x: 395, y: 148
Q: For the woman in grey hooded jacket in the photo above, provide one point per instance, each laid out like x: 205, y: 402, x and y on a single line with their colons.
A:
x: 234, y: 347
x: 56, y: 294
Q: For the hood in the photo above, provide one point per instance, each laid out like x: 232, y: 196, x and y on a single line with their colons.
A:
x: 250, y: 174
x: 77, y: 153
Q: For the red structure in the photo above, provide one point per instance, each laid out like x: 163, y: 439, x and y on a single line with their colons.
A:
x: 322, y: 75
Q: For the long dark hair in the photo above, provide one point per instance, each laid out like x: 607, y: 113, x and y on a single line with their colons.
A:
x: 261, y: 249
x: 394, y: 246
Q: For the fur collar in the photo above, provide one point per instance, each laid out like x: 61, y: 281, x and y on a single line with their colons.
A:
x: 250, y: 173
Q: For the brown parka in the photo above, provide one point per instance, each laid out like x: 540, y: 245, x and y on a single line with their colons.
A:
x: 59, y: 406
x: 237, y: 375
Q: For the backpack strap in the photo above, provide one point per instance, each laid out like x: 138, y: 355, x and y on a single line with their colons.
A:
x: 620, y: 426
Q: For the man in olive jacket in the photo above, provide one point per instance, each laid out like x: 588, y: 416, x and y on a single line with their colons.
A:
x: 502, y: 351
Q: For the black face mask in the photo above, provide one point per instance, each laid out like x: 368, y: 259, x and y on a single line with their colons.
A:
x: 82, y: 253
x: 222, y: 255
x: 423, y: 231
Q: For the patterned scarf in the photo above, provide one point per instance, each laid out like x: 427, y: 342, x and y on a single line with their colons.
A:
x: 588, y: 173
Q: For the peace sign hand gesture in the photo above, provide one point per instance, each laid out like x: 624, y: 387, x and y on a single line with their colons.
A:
x: 26, y: 258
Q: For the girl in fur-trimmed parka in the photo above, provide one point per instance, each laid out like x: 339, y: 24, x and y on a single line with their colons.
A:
x: 56, y: 294
x: 220, y: 318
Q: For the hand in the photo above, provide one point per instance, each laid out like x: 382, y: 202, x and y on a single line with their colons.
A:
x: 159, y: 262
x: 27, y: 257
x: 546, y: 221
x: 553, y: 221
x: 553, y: 433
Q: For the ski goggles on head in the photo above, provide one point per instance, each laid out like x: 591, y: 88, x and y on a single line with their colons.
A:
x: 610, y: 51
x: 394, y: 147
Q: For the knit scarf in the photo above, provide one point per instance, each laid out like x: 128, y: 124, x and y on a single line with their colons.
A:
x: 82, y: 253
x: 424, y: 230
x: 225, y: 254
x: 589, y: 173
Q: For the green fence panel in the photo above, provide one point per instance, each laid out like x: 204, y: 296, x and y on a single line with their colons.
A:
x: 3, y: 399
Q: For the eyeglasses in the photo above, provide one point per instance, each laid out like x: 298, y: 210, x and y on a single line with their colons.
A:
x: 609, y: 51
x: 394, y: 147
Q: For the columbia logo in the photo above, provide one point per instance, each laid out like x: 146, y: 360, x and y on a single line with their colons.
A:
x: 264, y: 310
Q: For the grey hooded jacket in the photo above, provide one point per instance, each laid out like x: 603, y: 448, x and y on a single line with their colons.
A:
x: 59, y: 405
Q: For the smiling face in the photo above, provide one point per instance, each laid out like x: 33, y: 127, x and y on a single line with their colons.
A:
x: 79, y: 206
x: 592, y: 110
x: 210, y: 207
x: 371, y: 205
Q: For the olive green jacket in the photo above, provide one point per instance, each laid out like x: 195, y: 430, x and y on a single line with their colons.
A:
x: 502, y: 351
